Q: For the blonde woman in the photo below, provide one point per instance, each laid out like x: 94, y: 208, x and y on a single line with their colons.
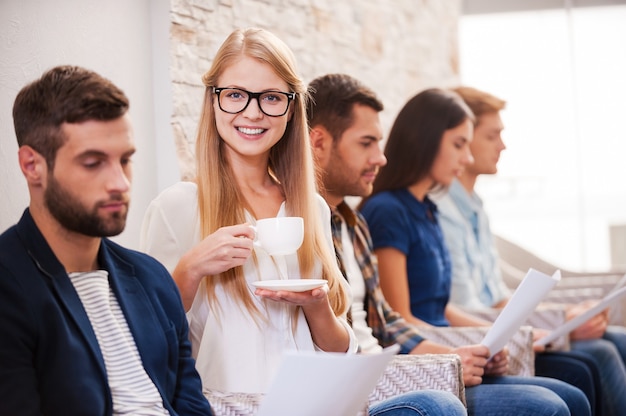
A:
x: 253, y: 162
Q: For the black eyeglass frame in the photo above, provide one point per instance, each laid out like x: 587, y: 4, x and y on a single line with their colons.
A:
x: 290, y: 97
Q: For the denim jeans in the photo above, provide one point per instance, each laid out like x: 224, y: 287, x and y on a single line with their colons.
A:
x: 420, y: 403
x: 617, y: 335
x: 607, y: 356
x: 525, y: 396
x: 573, y: 368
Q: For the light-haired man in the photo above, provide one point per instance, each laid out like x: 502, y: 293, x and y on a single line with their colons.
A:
x: 476, y: 279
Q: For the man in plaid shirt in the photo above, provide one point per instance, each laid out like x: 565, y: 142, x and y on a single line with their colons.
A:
x: 345, y: 133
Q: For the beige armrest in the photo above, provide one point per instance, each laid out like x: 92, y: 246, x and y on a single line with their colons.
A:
x: 241, y: 404
x: 406, y: 373
x: 547, y: 316
x: 521, y: 354
x: 571, y: 294
x: 576, y: 289
x: 233, y: 404
x: 522, y: 259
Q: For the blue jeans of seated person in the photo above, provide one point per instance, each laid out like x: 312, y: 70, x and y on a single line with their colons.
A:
x: 612, y: 373
x: 617, y: 335
x: 573, y: 368
x: 420, y: 403
x: 525, y: 396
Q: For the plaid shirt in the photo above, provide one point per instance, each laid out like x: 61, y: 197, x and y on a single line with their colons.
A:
x: 387, y: 325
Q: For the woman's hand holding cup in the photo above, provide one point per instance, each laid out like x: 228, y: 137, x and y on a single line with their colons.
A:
x: 226, y: 248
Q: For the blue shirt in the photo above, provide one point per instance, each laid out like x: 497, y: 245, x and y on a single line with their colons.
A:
x: 477, y: 282
x: 398, y: 220
x: 387, y: 325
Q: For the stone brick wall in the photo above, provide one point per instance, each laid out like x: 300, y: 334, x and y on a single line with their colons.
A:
x: 396, y: 47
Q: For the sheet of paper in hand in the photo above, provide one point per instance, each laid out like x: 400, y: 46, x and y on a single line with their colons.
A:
x: 314, y: 383
x: 574, y: 323
x: 620, y: 284
x: 525, y: 299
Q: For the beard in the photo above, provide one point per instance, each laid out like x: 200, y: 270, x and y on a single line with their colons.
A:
x: 343, y: 181
x: 73, y: 216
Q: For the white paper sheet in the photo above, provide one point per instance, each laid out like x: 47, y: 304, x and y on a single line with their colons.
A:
x: 574, y: 323
x: 525, y: 299
x: 621, y: 283
x: 313, y: 384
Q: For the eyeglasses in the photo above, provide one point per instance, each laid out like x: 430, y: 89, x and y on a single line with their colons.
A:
x: 271, y: 103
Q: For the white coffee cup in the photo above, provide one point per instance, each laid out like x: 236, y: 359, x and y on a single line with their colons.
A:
x: 280, y: 235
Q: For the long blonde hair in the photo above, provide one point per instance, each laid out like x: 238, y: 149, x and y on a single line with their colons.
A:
x: 290, y: 161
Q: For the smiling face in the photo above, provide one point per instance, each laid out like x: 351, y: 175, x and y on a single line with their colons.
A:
x: 250, y: 133
x: 486, y: 145
x: 453, y: 154
x: 88, y: 190
x: 353, y: 160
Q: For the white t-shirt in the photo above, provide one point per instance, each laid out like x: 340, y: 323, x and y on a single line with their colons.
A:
x: 367, y: 342
x: 233, y: 352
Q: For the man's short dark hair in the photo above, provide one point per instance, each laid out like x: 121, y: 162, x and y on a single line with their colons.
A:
x: 64, y: 94
x: 332, y: 99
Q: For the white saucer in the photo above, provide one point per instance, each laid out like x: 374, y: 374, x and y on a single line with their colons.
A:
x: 295, y: 285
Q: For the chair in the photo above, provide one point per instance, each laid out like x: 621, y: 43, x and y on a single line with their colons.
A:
x: 407, y: 373
x: 521, y: 353
x: 545, y: 316
x: 574, y: 287
x: 404, y: 373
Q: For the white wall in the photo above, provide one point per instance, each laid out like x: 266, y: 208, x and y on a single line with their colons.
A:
x: 125, y: 41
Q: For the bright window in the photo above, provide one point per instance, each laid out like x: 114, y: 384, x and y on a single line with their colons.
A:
x: 562, y: 179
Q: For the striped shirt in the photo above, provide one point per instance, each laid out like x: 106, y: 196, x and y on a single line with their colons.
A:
x: 132, y: 390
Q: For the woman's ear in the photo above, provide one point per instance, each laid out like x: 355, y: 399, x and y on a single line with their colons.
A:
x: 33, y: 165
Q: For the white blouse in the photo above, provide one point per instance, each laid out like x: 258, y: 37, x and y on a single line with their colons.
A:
x: 233, y: 351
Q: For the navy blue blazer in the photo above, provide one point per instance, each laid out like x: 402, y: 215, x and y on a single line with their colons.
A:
x: 50, y: 361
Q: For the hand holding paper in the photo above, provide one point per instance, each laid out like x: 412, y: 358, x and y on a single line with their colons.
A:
x: 583, y: 317
x: 593, y: 328
x: 525, y: 299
